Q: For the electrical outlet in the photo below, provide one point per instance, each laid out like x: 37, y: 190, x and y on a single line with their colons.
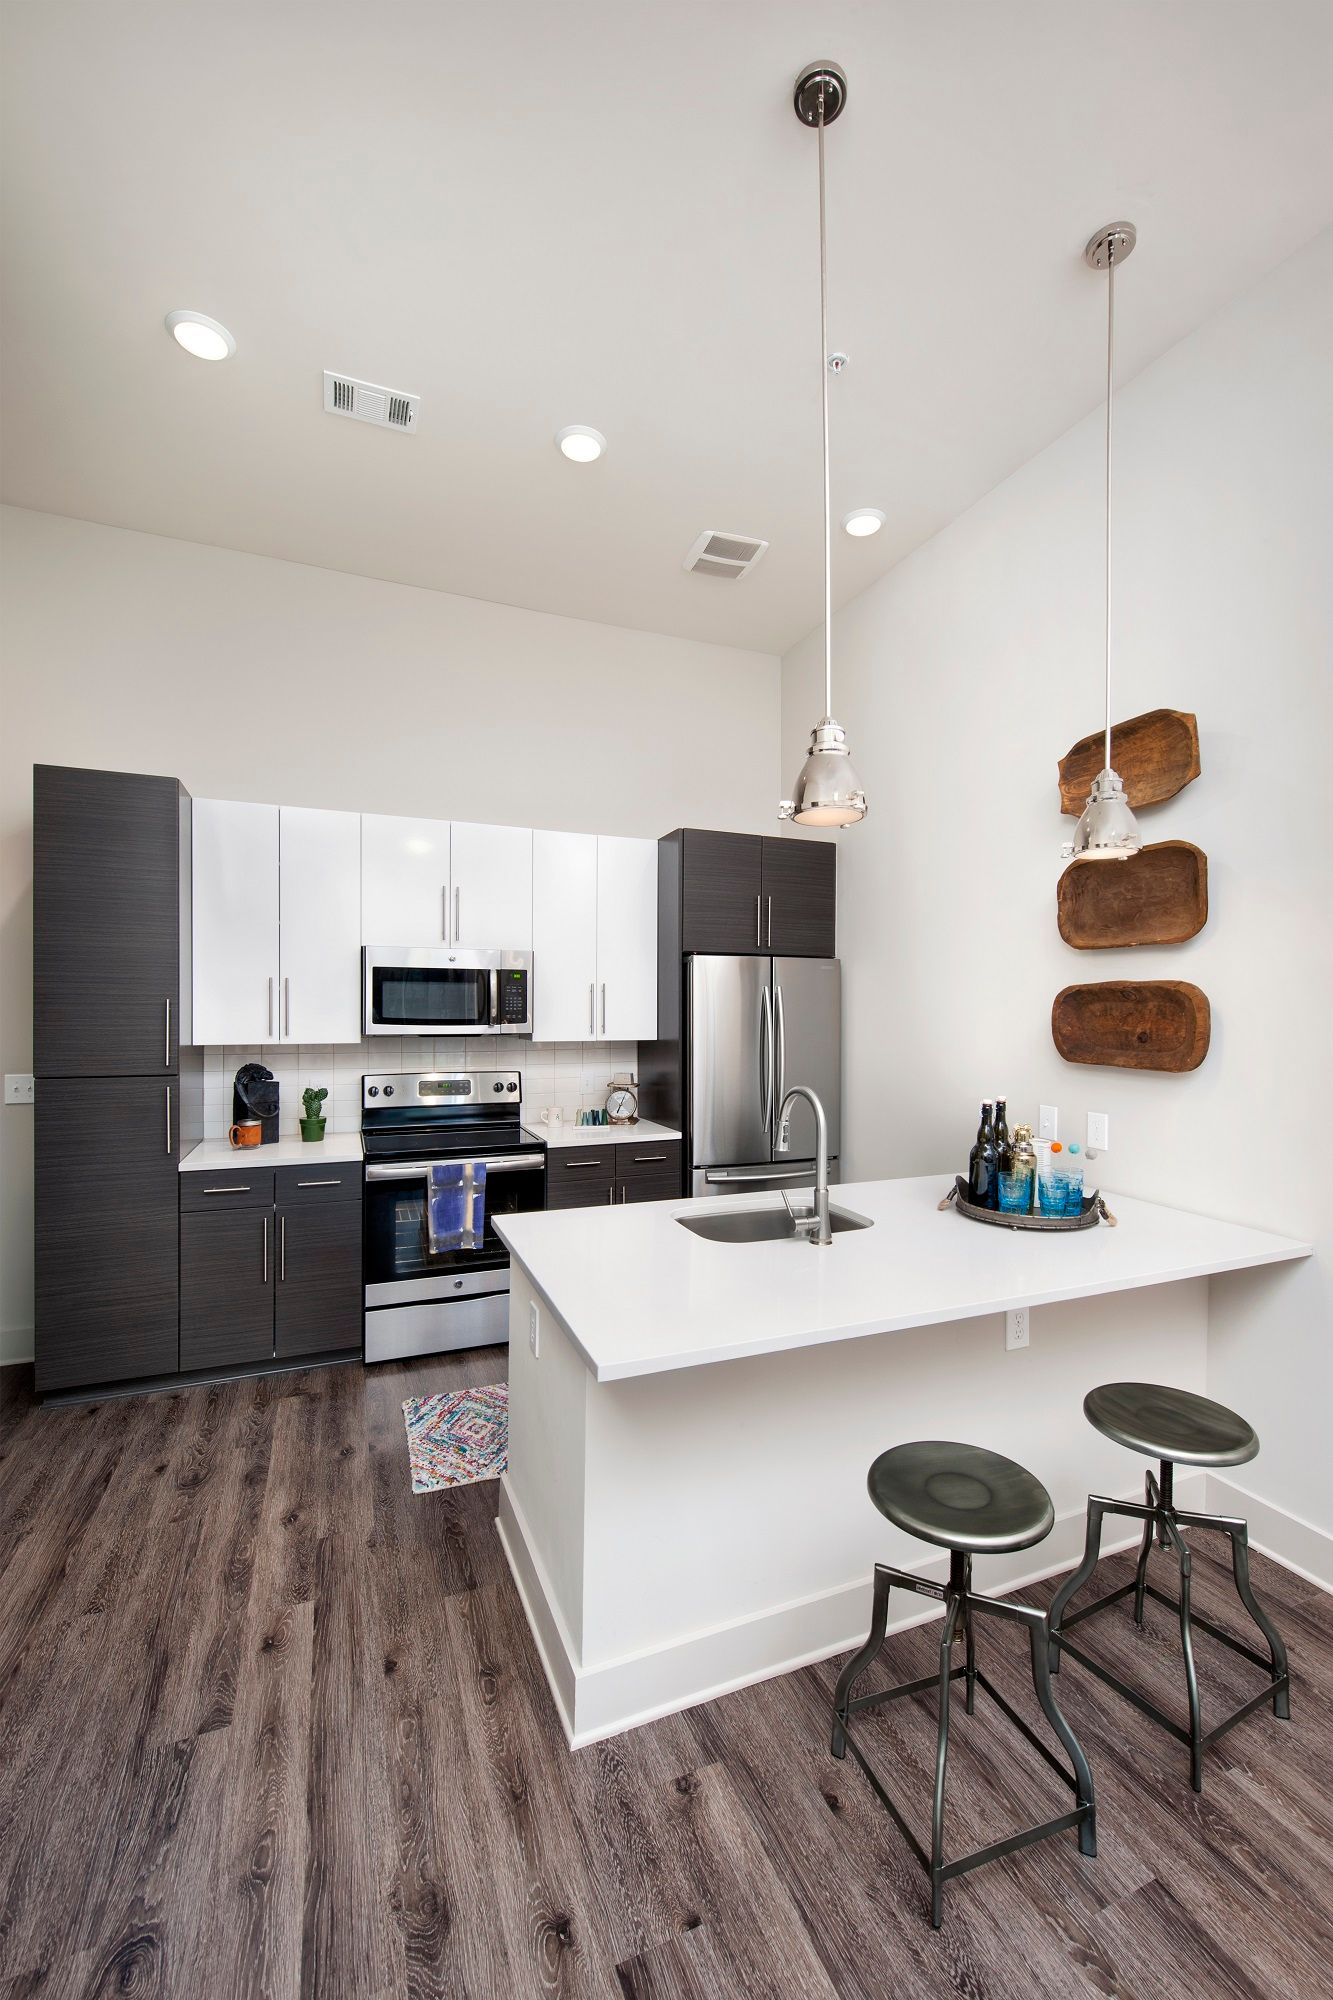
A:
x: 1048, y: 1122
x: 19, y: 1090
x: 1016, y: 1328
x: 534, y: 1328
x: 1099, y: 1131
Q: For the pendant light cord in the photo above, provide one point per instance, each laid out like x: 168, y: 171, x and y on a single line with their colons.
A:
x: 1110, y: 387
x: 823, y: 384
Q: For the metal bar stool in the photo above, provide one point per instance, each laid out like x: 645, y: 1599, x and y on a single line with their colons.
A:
x: 1176, y: 1428
x: 971, y: 1502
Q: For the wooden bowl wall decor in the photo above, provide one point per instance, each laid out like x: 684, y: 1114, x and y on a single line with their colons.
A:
x: 1156, y: 756
x: 1160, y: 897
x: 1162, y: 1024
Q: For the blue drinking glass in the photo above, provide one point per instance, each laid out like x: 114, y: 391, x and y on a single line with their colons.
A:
x: 1015, y: 1193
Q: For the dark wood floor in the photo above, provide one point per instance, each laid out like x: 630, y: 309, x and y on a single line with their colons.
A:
x: 270, y: 1725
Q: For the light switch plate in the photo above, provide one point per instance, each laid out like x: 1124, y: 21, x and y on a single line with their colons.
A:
x: 1048, y: 1122
x: 534, y: 1328
x: 1099, y: 1131
x: 20, y: 1090
x: 1016, y: 1327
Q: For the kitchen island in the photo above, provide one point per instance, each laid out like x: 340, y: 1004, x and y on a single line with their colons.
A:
x: 691, y: 1422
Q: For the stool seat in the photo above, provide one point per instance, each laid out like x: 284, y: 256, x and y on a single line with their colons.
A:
x: 1170, y: 1424
x: 960, y: 1496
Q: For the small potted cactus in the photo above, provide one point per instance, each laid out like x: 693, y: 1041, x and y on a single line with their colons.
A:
x: 312, y: 1124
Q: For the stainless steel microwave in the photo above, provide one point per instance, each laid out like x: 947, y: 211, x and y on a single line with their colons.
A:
x: 430, y: 990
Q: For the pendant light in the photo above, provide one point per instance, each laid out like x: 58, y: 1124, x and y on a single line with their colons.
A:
x: 1108, y: 830
x: 828, y: 791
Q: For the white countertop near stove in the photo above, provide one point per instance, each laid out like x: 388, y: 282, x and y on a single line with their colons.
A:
x: 211, y: 1156
x: 641, y: 1295
x: 644, y: 1133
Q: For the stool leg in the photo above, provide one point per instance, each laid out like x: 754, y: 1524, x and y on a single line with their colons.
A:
x: 1092, y: 1549
x: 1240, y: 1566
x: 879, y: 1619
x: 1040, y: 1637
x: 1187, y: 1648
x: 941, y: 1763
x: 1151, y: 1499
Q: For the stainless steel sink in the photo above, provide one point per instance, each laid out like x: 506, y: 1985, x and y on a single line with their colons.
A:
x: 762, y: 1225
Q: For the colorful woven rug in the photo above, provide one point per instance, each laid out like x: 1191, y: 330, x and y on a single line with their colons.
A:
x: 457, y: 1439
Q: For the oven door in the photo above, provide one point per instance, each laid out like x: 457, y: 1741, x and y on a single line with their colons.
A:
x: 400, y: 1266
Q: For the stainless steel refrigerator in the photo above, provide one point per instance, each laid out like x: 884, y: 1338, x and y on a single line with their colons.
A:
x: 756, y: 1026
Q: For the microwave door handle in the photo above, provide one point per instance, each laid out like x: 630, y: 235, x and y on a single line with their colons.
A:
x: 495, y: 997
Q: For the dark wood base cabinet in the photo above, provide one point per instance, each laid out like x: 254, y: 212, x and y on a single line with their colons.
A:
x: 270, y: 1265
x: 610, y: 1175
x: 105, y: 1229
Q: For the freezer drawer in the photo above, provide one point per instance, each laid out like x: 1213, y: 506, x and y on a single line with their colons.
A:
x: 759, y: 1178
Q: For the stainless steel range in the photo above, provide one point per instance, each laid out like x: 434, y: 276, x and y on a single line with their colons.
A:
x: 420, y: 1300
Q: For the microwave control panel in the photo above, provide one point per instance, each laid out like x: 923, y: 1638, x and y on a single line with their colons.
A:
x: 513, y: 998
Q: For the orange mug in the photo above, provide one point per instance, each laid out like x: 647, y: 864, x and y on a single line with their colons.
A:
x: 248, y: 1134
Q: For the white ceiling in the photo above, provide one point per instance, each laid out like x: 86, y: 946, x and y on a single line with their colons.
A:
x: 604, y: 212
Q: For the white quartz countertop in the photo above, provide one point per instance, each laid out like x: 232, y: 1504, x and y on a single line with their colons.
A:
x: 211, y: 1156
x: 641, y: 1295
x: 643, y: 1133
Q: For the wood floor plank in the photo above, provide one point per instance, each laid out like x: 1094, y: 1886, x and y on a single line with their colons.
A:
x: 272, y: 1726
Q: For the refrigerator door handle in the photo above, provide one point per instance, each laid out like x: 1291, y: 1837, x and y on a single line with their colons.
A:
x: 781, y: 1090
x: 766, y: 1060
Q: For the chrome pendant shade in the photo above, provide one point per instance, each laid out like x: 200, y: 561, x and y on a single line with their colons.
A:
x: 828, y: 791
x: 1107, y: 830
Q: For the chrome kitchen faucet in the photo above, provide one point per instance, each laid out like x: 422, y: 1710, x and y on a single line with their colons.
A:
x: 815, y: 1228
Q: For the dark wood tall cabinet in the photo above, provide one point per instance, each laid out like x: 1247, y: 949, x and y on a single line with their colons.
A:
x: 115, y: 1096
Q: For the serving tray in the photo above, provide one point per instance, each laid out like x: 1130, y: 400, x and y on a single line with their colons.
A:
x: 1093, y: 1211
x: 1160, y: 897
x: 1156, y: 755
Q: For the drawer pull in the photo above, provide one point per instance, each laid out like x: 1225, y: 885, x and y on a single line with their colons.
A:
x: 574, y: 1165
x: 301, y: 1184
x: 244, y: 1188
x: 643, y: 1159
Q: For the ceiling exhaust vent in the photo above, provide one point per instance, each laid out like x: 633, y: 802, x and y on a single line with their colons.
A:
x: 370, y: 402
x: 716, y: 554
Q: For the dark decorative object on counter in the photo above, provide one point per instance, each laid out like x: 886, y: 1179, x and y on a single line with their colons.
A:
x: 1160, y: 1024
x: 1162, y: 899
x: 254, y: 1094
x: 1156, y: 755
x: 312, y: 1125
x: 983, y: 1164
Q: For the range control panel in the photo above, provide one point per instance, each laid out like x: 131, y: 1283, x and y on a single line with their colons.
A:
x: 440, y: 1088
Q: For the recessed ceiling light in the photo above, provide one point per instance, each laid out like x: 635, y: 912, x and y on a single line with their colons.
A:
x: 581, y: 443
x: 863, y: 521
x: 207, y: 339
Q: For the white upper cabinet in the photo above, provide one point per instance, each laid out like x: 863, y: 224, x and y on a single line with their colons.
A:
x: 320, y: 925
x: 564, y: 936
x: 626, y: 939
x: 405, y: 881
x: 235, y: 925
x: 490, y: 881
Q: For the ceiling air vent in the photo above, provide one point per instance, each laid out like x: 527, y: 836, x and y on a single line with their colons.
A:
x: 715, y: 554
x: 369, y: 402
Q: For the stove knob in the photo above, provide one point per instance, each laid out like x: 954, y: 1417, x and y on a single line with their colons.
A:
x: 388, y: 1090
x: 511, y: 1086
x: 373, y: 1091
x: 497, y: 1087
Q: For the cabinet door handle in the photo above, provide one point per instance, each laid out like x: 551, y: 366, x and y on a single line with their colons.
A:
x: 770, y: 921
x: 243, y: 1188
x: 592, y: 1007
x: 286, y: 1006
x: 270, y: 1005
x: 610, y: 1195
x: 168, y: 1118
x: 603, y: 1006
x: 458, y: 916
x: 166, y: 1060
x: 265, y: 1249
x: 758, y: 933
x: 282, y: 1249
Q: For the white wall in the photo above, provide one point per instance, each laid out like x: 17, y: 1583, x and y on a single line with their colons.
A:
x: 966, y: 672
x: 249, y: 678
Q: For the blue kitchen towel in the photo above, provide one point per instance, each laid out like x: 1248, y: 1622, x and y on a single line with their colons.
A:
x: 456, y: 1205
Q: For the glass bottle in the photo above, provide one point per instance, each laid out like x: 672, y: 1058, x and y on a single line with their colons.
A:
x: 982, y: 1164
x: 1001, y: 1125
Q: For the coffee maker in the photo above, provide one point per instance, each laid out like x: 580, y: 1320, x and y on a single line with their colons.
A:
x: 254, y: 1095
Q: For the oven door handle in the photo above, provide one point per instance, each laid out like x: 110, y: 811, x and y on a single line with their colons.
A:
x: 510, y: 1162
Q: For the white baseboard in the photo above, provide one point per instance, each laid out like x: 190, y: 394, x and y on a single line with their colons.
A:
x: 1295, y: 1543
x: 611, y: 1696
